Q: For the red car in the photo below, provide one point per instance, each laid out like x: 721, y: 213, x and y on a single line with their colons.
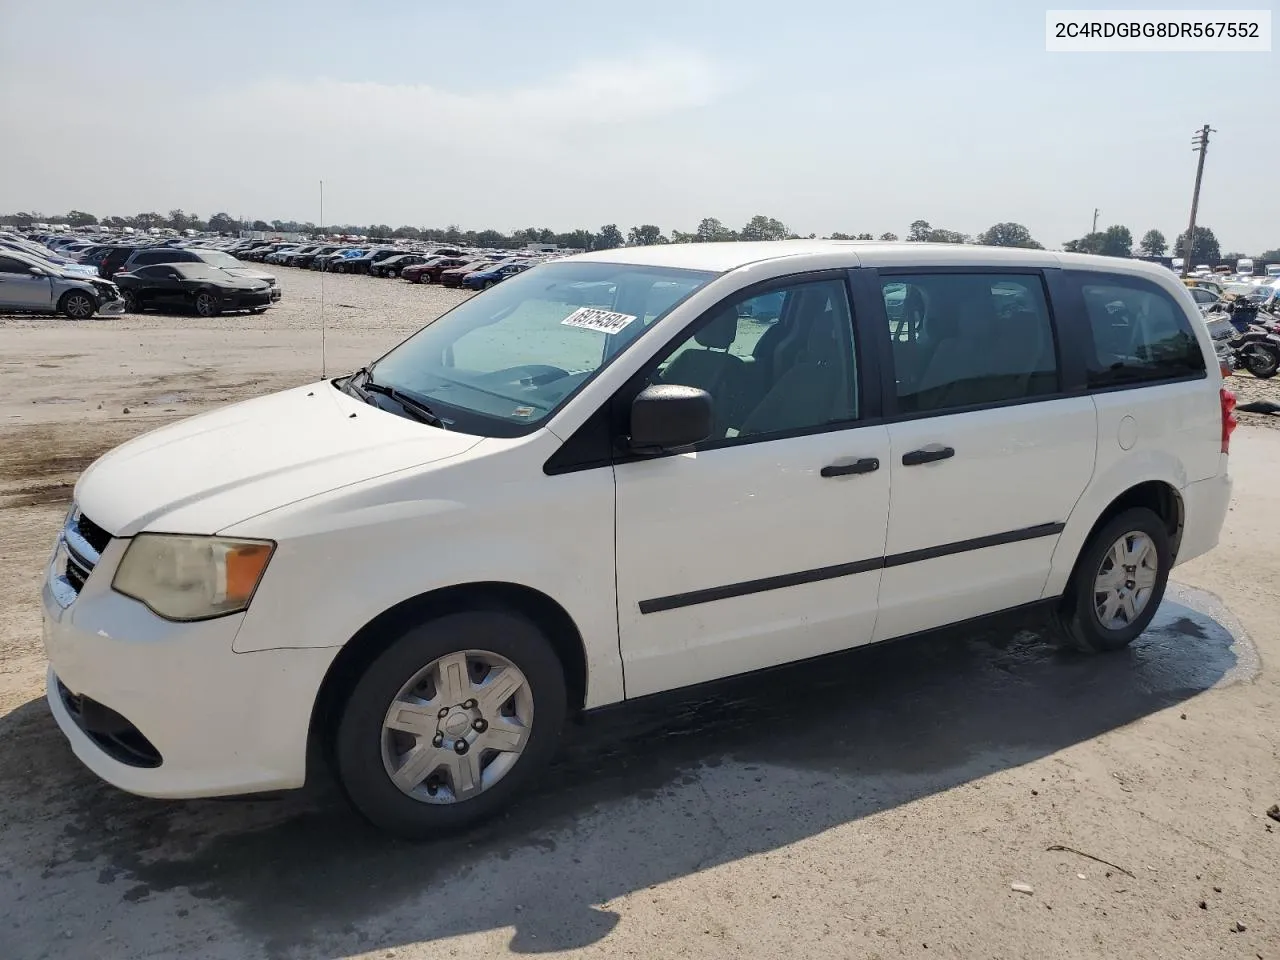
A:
x: 452, y: 277
x: 429, y: 272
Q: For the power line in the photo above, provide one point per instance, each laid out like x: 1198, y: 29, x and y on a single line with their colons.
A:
x: 1200, y: 145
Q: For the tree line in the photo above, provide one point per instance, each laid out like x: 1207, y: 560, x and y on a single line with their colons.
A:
x: 1115, y: 241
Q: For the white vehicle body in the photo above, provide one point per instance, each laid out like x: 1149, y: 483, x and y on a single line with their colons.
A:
x: 1244, y: 267
x: 664, y: 571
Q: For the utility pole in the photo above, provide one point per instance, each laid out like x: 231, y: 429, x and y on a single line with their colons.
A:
x: 1200, y: 145
x: 1095, y: 220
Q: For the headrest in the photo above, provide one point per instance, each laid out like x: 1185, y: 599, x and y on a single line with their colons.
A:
x: 720, y: 332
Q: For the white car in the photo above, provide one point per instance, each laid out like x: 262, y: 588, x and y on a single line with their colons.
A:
x: 604, y: 479
x: 30, y: 284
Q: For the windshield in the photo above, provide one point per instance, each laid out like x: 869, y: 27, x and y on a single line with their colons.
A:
x: 216, y: 258
x: 503, y: 361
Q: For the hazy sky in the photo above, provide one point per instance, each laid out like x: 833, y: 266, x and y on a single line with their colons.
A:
x: 566, y: 113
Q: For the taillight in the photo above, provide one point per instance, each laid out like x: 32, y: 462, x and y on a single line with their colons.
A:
x: 1229, y: 421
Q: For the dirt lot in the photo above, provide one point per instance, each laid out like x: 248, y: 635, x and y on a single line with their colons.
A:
x: 880, y: 809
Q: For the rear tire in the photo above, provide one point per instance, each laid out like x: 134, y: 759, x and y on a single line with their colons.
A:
x: 1111, y: 600
x: 367, y: 749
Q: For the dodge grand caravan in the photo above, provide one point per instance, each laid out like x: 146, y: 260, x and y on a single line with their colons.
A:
x: 609, y: 477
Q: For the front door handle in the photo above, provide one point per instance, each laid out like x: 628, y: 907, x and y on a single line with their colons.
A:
x: 927, y: 455
x: 865, y: 465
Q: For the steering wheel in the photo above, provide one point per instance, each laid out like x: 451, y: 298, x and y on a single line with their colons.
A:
x: 536, y: 374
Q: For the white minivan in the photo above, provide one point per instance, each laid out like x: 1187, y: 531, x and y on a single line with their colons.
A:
x: 618, y: 474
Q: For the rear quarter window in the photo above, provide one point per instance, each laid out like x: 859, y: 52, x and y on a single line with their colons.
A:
x: 1138, y: 333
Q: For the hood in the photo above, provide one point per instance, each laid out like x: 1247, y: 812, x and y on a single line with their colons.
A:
x: 206, y: 473
x: 248, y: 273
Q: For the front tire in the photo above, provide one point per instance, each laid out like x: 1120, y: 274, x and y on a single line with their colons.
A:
x: 1118, y: 583
x: 448, y: 725
x: 131, y: 302
x: 206, y: 304
x: 77, y: 305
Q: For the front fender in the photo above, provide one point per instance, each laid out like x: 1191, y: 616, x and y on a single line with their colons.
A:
x: 345, y: 557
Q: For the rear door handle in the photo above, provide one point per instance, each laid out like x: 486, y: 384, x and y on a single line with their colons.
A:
x: 914, y: 458
x: 865, y: 465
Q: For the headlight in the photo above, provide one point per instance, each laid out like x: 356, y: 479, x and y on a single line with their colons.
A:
x: 192, y: 578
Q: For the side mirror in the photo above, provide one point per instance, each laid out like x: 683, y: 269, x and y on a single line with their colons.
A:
x: 37, y: 271
x: 667, y: 416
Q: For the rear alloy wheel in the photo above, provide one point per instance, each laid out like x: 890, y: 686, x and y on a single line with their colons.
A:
x: 448, y: 725
x: 78, y: 305
x: 1118, y: 583
x: 207, y: 304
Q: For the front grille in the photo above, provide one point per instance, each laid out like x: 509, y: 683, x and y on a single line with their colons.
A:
x: 93, y: 534
x: 82, y: 544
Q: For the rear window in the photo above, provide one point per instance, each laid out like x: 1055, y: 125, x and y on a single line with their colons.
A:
x: 1140, y: 333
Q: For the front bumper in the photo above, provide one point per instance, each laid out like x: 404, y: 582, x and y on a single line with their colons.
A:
x: 111, y: 308
x: 191, y: 717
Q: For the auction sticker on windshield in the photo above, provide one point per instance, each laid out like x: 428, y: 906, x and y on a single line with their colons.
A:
x: 591, y: 318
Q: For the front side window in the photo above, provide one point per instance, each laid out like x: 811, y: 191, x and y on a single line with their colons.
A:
x: 9, y: 265
x: 1140, y: 334
x: 501, y: 362
x: 773, y: 363
x: 961, y: 340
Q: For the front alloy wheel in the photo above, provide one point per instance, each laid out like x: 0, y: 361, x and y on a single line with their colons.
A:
x: 450, y: 723
x: 206, y: 304
x: 457, y: 727
x: 78, y: 306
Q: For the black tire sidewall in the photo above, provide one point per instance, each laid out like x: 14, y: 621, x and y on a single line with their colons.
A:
x: 1270, y: 359
x: 195, y: 305
x: 357, y: 742
x: 1081, y: 617
x: 69, y: 296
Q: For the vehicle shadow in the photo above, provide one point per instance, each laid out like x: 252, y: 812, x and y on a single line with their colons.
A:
x: 637, y: 797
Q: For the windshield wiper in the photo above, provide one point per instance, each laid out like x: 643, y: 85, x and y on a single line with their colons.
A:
x: 409, y: 403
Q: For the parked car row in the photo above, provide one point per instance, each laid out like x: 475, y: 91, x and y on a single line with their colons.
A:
x: 448, y: 266
x: 201, y: 275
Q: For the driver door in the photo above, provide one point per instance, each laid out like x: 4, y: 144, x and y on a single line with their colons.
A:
x: 20, y: 289
x: 763, y: 544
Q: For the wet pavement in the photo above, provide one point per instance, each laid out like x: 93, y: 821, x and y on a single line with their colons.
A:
x: 638, y: 796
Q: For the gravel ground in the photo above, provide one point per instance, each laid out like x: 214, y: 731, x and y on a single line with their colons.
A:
x: 882, y: 808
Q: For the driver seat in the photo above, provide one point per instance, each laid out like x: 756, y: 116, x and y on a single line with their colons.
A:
x: 713, y: 368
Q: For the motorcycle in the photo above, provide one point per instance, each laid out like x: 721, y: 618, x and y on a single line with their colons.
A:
x: 1244, y: 338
